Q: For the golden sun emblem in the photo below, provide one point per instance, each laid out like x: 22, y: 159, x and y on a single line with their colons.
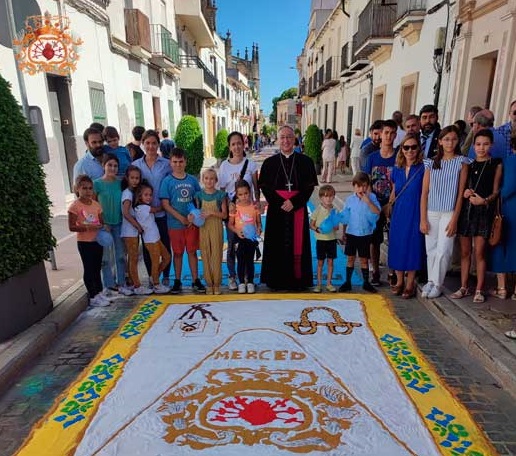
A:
x: 288, y: 409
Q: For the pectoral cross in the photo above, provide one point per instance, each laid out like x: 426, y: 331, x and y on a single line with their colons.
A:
x: 289, y: 186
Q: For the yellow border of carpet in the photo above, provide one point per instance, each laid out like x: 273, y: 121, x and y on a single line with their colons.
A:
x: 75, y: 408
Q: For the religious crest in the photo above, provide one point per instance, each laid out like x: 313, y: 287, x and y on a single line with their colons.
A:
x: 47, y: 45
x: 288, y: 409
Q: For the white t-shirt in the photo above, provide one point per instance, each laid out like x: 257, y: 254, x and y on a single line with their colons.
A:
x: 147, y: 221
x: 328, y: 149
x: 127, y: 229
x: 229, y: 174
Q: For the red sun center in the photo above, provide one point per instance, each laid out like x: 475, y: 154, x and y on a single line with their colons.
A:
x: 258, y: 412
x: 48, y: 51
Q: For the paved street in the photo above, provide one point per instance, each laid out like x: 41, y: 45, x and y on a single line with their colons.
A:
x: 35, y: 390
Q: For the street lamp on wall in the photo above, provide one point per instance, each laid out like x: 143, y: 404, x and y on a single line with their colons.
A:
x: 441, y: 39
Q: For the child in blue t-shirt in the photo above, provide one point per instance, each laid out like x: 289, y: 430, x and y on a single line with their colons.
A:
x: 112, y: 146
x: 360, y: 213
x: 177, y: 192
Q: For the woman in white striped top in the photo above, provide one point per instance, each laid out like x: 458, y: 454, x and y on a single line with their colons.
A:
x: 444, y: 181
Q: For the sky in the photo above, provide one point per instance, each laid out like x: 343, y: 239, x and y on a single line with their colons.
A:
x: 279, y: 27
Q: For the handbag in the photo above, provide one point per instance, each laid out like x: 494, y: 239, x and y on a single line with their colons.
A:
x: 497, y: 228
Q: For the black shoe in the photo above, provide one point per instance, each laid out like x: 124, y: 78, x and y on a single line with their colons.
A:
x: 376, y: 280
x: 369, y: 287
x: 346, y: 286
x: 198, y: 287
x: 177, y: 287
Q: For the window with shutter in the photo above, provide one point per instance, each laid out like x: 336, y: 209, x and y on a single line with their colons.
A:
x: 98, y: 103
x: 138, y: 109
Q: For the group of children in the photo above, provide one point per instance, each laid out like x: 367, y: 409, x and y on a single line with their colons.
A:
x: 123, y: 207
x: 359, y: 217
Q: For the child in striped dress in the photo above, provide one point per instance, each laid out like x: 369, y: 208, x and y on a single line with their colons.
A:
x: 213, y: 205
x: 441, y: 201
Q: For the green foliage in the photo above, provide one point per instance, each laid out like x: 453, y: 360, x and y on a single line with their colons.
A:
x: 25, y: 231
x: 221, y: 144
x: 189, y: 138
x: 289, y: 93
x: 313, y: 143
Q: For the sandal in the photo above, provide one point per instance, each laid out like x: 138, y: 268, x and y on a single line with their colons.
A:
x: 460, y: 293
x: 500, y: 293
x: 397, y: 289
x: 479, y: 297
x: 511, y: 334
x: 407, y: 294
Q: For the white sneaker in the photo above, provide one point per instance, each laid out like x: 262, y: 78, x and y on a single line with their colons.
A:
x: 109, y: 294
x: 161, y: 289
x: 426, y: 289
x: 142, y: 290
x: 242, y: 288
x: 250, y: 287
x: 232, y: 285
x: 435, y: 292
x: 126, y: 291
x: 99, y: 301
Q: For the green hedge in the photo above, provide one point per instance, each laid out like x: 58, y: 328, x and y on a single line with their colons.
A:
x: 189, y: 138
x: 25, y: 231
x: 313, y: 143
x: 221, y: 144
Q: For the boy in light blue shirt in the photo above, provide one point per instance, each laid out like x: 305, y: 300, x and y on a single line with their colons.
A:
x: 359, y: 216
x: 176, y: 193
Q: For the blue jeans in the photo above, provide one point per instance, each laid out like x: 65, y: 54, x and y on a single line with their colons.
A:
x: 114, y: 257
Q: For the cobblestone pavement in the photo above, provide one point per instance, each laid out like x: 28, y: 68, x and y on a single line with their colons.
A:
x: 37, y: 388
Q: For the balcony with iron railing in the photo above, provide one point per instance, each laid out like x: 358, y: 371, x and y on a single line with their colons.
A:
x: 137, y: 32
x: 375, y: 27
x: 191, y: 14
x: 196, y: 76
x: 316, y: 84
x: 302, y: 87
x: 102, y: 3
x: 344, y: 57
x: 410, y: 16
x: 357, y: 62
x: 332, y: 76
x: 165, y: 50
x: 320, y: 76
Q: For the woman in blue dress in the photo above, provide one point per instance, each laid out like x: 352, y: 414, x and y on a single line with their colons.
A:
x: 502, y: 258
x: 406, y: 242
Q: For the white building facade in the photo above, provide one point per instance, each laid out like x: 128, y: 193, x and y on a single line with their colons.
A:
x: 401, y: 55
x: 142, y: 62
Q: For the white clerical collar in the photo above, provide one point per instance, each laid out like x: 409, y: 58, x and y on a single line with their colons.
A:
x: 286, y: 155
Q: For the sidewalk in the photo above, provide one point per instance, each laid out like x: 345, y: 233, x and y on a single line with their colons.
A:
x: 479, y: 327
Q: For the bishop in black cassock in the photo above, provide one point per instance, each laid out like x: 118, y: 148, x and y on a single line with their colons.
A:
x: 287, y: 256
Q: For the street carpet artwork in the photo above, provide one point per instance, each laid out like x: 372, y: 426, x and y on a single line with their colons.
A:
x: 278, y: 374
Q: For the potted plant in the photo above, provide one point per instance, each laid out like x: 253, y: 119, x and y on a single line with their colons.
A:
x: 313, y: 143
x: 221, y: 146
x: 189, y: 138
x: 25, y: 230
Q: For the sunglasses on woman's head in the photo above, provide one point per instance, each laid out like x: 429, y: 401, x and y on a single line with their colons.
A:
x: 407, y: 147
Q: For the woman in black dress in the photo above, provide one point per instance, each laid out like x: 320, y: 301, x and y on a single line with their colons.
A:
x: 477, y: 214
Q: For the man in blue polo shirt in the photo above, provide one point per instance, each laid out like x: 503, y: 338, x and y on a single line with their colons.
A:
x: 91, y: 163
x: 485, y: 119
